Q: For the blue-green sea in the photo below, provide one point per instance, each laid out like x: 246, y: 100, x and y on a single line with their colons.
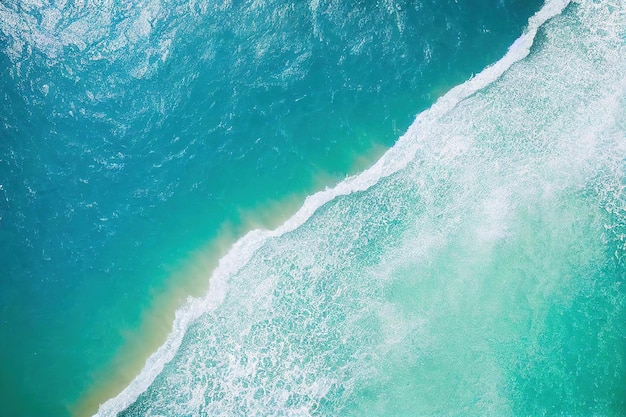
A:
x: 315, y: 208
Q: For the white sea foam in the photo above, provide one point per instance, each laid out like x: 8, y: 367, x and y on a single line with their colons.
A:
x: 394, y: 160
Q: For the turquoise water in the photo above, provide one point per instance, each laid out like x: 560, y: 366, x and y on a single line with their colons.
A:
x: 476, y: 269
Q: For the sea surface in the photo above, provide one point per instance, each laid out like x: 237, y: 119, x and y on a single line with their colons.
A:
x: 461, y: 250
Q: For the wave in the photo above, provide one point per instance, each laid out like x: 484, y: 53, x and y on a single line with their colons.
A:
x: 394, y: 160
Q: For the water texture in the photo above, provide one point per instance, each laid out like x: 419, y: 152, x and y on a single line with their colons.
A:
x: 476, y: 269
x: 133, y: 133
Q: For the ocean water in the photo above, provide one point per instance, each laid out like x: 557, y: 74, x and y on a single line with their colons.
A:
x: 476, y: 269
x: 136, y: 134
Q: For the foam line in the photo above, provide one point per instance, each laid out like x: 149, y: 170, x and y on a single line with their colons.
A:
x: 392, y: 161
